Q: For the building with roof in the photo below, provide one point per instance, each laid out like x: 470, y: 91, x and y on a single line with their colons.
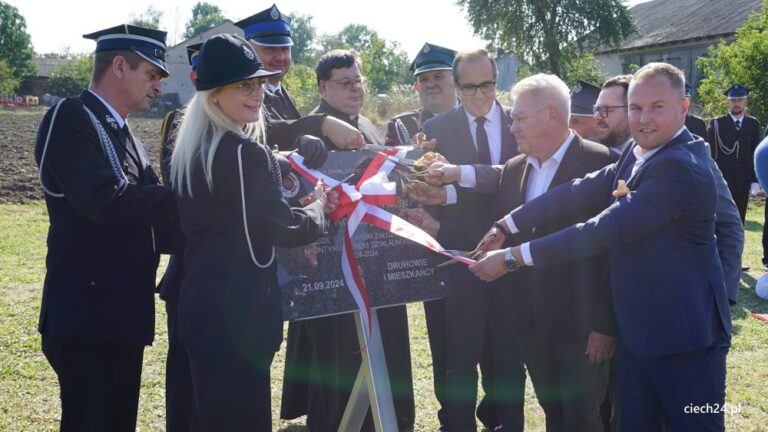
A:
x: 38, y: 84
x: 677, y: 32
x: 177, y: 89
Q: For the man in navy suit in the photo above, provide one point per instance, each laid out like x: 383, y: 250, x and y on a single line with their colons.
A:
x: 476, y: 132
x: 654, y: 212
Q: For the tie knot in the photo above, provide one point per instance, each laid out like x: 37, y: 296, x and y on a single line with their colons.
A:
x: 481, y: 121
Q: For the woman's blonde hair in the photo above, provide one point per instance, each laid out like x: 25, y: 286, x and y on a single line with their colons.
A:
x: 202, y: 126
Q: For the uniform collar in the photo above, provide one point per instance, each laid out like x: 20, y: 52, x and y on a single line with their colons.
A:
x: 118, y: 118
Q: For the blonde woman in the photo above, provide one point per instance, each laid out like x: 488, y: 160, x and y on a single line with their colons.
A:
x: 233, y: 215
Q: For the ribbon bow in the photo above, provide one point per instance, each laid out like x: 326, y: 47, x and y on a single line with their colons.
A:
x: 360, y: 204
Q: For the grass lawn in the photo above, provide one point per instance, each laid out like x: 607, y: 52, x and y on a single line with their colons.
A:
x: 29, y: 392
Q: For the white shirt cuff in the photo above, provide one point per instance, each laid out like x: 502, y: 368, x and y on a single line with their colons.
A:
x: 525, y: 249
x: 467, y: 179
x: 450, y: 195
x: 511, y: 224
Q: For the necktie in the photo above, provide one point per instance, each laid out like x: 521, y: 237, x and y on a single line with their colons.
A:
x: 483, y: 149
x: 737, y: 123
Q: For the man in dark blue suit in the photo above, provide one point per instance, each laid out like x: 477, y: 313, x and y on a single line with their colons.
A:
x: 654, y: 212
x: 476, y: 132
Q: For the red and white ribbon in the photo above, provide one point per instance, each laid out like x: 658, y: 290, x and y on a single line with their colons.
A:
x: 360, y: 204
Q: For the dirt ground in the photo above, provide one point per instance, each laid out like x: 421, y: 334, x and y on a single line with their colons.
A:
x: 18, y: 171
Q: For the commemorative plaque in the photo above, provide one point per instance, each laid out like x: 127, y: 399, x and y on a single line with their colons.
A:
x: 395, y: 270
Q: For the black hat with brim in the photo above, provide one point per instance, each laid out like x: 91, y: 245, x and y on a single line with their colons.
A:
x: 432, y: 57
x: 192, y: 54
x: 148, y: 43
x: 583, y: 98
x: 226, y: 59
x: 269, y: 27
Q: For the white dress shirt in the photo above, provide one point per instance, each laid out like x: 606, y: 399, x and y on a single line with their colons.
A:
x: 539, y: 179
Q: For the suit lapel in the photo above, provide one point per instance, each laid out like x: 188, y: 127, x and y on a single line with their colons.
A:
x: 465, y: 143
x: 683, y: 138
x: 567, y: 169
x: 290, y: 103
x: 508, y: 141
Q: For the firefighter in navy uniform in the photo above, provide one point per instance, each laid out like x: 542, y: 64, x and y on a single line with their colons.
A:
x: 269, y: 33
x: 107, y: 213
x: 582, y: 121
x: 733, y: 139
x: 434, y: 84
x: 695, y: 124
x: 173, y: 118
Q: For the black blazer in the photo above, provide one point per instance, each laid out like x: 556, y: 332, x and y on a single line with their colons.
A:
x: 281, y: 107
x: 103, y: 239
x: 230, y: 299
x: 737, y: 171
x: 696, y: 125
x: 565, y: 302
x: 360, y: 122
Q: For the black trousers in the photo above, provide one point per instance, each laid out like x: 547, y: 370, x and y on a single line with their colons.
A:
x: 740, y: 194
x: 179, y: 403
x: 98, y: 382
x: 231, y: 391
x: 434, y: 312
x: 477, y: 319
x: 569, y: 388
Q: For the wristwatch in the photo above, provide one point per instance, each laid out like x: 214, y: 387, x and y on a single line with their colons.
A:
x: 510, y: 263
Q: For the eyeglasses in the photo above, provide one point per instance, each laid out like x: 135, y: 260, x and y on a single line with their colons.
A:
x: 349, y: 83
x: 247, y: 87
x: 471, y: 89
x: 605, y: 110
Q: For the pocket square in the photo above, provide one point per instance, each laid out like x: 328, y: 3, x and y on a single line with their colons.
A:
x: 621, y: 189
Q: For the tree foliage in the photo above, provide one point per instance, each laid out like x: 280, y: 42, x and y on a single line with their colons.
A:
x: 150, y: 18
x: 303, y: 33
x: 8, y: 84
x: 204, y: 16
x: 583, y: 67
x: 549, y: 34
x: 15, y: 43
x: 302, y: 84
x: 384, y: 62
x: 744, y: 61
x: 72, y: 78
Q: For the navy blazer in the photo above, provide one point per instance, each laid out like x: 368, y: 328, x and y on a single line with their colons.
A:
x: 666, y: 278
x: 103, y: 242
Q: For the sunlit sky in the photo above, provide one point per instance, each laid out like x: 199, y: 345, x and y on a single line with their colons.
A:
x: 57, y: 25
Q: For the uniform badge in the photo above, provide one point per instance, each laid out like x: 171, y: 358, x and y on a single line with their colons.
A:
x: 426, y: 49
x: 112, y: 122
x: 274, y: 13
x: 290, y: 186
x: 248, y: 53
